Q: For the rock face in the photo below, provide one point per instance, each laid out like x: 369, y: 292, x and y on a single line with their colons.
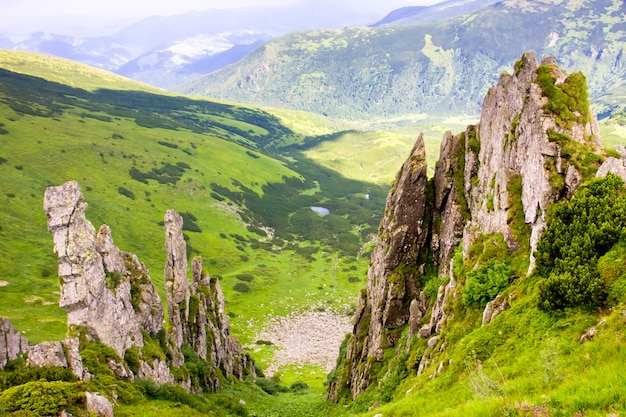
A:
x: 12, y: 343
x: 613, y: 165
x: 176, y: 283
x: 196, y: 310
x: 516, y: 139
x: 96, y: 277
x: 110, y: 298
x: 497, y: 177
x: 98, y: 405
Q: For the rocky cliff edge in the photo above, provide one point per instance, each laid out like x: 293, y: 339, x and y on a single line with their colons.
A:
x: 496, y: 178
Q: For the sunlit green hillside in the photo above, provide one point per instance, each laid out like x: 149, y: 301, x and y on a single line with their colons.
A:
x: 439, y: 68
x: 246, y: 201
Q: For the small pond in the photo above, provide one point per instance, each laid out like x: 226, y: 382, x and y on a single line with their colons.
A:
x: 320, y: 210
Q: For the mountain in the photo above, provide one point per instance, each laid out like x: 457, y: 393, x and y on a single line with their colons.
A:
x: 167, y: 51
x: 495, y: 287
x: 444, y: 67
x: 189, y: 59
x: 235, y: 173
x: 425, y: 14
x: 502, y: 257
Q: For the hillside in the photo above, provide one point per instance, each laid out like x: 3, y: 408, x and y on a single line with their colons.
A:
x: 444, y: 67
x: 167, y: 51
x: 439, y: 11
x: 136, y: 154
x: 497, y: 287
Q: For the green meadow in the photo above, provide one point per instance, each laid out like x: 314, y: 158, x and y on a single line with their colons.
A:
x: 245, y: 180
x: 136, y: 154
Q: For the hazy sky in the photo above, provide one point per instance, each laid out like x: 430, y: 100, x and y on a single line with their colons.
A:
x: 24, y: 16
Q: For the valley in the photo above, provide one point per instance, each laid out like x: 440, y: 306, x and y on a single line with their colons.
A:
x: 391, y: 222
x: 135, y: 165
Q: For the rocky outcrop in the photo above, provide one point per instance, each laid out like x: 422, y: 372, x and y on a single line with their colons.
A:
x: 96, y: 277
x: 196, y: 310
x: 516, y: 140
x: 12, y: 343
x: 614, y: 165
x: 176, y: 282
x: 98, y: 404
x: 394, y: 270
x: 494, y: 308
x: 496, y: 178
x: 110, y: 298
x: 448, y: 210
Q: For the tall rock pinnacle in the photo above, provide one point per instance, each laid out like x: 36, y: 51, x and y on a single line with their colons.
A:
x: 496, y: 178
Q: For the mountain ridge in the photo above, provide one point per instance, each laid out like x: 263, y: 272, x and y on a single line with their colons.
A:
x: 167, y: 51
x: 440, y: 68
x: 472, y: 233
x: 424, y: 14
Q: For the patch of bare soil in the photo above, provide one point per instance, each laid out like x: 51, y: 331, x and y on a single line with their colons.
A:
x: 308, y: 338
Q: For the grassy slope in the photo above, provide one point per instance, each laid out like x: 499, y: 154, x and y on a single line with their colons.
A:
x: 441, y: 68
x: 613, y: 130
x: 524, y: 359
x: 68, y: 72
x: 51, y: 148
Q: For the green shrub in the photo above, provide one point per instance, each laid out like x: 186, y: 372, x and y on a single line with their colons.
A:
x: 472, y: 140
x: 270, y: 386
x: 153, y: 347
x: 579, y: 232
x: 189, y: 222
x: 245, y: 277
x: 582, y: 286
x: 567, y: 101
x: 131, y: 356
x: 96, y: 357
x: 43, y: 398
x: 126, y: 192
x: 485, y: 282
x: 431, y: 287
x: 298, y: 386
x: 23, y: 374
x: 113, y: 279
x: 167, y: 144
x: 177, y: 394
x: 241, y: 287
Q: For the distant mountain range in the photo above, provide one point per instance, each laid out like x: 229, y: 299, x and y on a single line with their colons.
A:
x: 423, y: 14
x: 332, y: 60
x: 397, y: 70
x: 168, y: 51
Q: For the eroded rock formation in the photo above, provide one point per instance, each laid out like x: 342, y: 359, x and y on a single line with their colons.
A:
x: 196, y: 310
x: 12, y: 343
x: 110, y: 298
x: 497, y: 177
x: 96, y: 294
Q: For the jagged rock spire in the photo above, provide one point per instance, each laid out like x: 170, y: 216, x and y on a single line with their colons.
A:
x: 176, y: 282
x: 12, y: 343
x: 105, y: 311
x: 109, y: 297
x: 509, y: 167
x: 196, y: 310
